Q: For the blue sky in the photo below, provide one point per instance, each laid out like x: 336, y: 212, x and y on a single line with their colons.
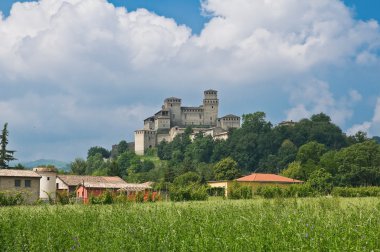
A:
x: 189, y: 11
x: 80, y: 73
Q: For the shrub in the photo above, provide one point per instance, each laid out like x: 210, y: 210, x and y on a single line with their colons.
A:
x: 63, y: 198
x: 11, y: 199
x: 193, y: 191
x: 270, y: 192
x: 296, y: 190
x: 370, y: 191
x: 236, y: 191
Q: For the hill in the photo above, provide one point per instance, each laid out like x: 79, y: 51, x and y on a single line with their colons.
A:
x: 58, y: 164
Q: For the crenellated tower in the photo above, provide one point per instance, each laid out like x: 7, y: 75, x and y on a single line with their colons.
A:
x: 210, y: 107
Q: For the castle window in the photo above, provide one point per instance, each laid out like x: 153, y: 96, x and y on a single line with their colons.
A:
x: 210, y: 118
x: 171, y: 105
x: 212, y: 106
x: 200, y: 116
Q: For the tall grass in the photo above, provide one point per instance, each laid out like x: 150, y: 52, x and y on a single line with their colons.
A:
x: 317, y: 224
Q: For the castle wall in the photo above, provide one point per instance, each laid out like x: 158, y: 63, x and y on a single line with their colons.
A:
x: 174, y: 106
x: 162, y: 123
x: 162, y: 137
x: 144, y: 139
x: 210, y: 107
x: 233, y: 122
x: 192, y: 116
x: 148, y: 125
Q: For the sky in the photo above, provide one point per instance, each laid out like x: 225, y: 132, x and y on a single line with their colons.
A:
x: 82, y: 73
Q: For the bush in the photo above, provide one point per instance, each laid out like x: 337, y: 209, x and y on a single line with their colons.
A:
x: 295, y: 190
x: 190, y: 192
x: 270, y: 192
x: 63, y: 198
x: 236, y: 191
x: 11, y: 199
x: 370, y: 191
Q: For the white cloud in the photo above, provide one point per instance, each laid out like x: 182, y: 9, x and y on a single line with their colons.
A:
x: 372, y: 128
x: 315, y: 97
x: 68, y: 64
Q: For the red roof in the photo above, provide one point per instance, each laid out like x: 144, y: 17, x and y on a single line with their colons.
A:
x: 262, y: 177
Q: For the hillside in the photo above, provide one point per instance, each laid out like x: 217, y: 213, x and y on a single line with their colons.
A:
x: 58, y: 164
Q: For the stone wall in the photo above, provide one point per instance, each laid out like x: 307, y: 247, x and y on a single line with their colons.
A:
x: 31, y: 194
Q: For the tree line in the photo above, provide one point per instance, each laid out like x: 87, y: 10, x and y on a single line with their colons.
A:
x: 313, y: 148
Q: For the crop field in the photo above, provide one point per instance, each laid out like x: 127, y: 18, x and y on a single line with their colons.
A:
x: 315, y: 224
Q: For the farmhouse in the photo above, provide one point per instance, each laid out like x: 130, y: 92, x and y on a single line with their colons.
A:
x: 256, y: 180
x: 21, y: 181
x: 97, y: 185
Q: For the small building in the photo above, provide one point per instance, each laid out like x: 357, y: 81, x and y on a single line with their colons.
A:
x: 97, y: 185
x: 21, y: 181
x: 256, y: 180
x: 47, y: 182
x: 131, y: 189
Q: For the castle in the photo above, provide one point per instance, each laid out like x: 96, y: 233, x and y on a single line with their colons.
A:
x: 173, y: 119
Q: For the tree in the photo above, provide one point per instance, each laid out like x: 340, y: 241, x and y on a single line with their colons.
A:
x: 226, y: 169
x: 97, y: 149
x: 187, y: 179
x: 5, y: 155
x: 321, y: 181
x: 294, y: 171
x: 311, y: 151
x: 359, y: 165
x: 79, y: 166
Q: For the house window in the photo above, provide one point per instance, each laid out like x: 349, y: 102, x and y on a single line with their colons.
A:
x: 28, y: 183
x: 17, y: 183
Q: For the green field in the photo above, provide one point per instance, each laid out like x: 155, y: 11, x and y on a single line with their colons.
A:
x: 316, y: 224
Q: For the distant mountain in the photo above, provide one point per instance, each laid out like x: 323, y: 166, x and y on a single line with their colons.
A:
x: 58, y: 164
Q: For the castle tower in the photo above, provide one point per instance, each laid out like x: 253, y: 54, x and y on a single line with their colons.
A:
x: 173, y: 104
x: 48, y: 182
x: 210, y: 107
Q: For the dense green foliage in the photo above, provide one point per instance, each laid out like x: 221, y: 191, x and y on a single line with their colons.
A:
x: 370, y: 191
x: 318, y: 224
x: 312, y: 149
x: 11, y: 199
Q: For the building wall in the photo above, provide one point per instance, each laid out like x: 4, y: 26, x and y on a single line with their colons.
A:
x: 174, y: 107
x: 162, y: 137
x: 48, y: 185
x: 254, y: 185
x: 31, y: 194
x: 144, y: 139
x: 233, y: 122
x: 192, y: 117
x: 162, y: 123
x: 149, y: 125
x: 210, y: 107
x: 85, y: 193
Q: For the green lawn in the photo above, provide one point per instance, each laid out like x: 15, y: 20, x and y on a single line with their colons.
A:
x: 316, y: 224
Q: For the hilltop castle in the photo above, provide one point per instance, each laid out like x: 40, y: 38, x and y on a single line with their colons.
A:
x: 173, y: 119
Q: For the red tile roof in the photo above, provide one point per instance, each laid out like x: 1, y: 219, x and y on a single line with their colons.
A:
x: 262, y: 177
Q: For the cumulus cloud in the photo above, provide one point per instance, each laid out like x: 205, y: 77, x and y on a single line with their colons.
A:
x: 76, y: 67
x: 372, y: 128
x: 315, y: 97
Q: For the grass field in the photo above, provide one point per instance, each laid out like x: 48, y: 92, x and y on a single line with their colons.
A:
x: 317, y: 224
